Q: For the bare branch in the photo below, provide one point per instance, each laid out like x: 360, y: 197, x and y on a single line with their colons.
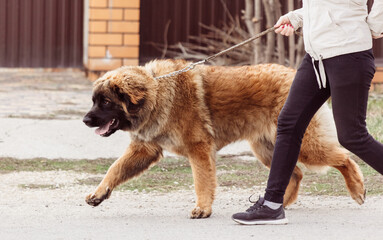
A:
x: 166, y: 39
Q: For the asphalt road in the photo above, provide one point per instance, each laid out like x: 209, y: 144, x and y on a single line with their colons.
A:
x: 68, y: 139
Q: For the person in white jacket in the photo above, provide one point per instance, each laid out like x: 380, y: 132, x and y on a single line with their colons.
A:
x: 339, y: 63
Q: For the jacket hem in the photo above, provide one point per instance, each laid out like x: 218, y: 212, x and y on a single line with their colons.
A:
x: 329, y: 53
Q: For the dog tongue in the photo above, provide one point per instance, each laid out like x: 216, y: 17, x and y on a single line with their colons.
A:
x: 103, y: 129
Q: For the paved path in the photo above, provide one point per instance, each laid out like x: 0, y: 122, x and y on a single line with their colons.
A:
x: 40, y: 116
x: 43, y: 95
x: 69, y: 139
x: 41, y: 112
x: 61, y: 213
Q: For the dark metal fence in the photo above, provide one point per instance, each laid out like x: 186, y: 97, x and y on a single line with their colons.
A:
x: 185, y: 17
x: 41, y: 33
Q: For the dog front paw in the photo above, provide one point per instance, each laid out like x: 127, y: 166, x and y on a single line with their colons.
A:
x: 199, y: 212
x: 98, y: 197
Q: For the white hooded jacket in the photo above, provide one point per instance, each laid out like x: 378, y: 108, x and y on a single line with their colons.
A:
x: 335, y: 27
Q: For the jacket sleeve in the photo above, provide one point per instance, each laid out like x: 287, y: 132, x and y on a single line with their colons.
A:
x: 296, y: 18
x: 375, y: 18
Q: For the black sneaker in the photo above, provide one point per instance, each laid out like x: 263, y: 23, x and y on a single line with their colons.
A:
x: 259, y: 214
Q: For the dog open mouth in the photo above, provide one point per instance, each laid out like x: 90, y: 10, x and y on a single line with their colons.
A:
x: 108, y: 128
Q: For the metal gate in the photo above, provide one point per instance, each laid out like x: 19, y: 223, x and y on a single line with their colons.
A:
x: 41, y: 33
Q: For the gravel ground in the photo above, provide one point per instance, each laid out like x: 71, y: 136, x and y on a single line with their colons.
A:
x: 59, y: 212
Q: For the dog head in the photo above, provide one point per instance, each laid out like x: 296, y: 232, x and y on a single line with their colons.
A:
x: 122, y: 100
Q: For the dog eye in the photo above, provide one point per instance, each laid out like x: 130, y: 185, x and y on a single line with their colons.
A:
x: 105, y: 102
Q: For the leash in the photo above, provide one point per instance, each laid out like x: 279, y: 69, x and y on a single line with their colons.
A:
x: 192, y: 65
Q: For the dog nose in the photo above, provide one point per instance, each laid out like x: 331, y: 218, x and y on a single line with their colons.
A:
x: 87, y: 120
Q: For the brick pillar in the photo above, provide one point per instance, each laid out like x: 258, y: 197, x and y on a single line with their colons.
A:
x: 113, y: 34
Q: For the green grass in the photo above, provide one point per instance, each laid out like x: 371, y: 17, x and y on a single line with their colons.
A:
x: 42, y: 164
x: 169, y: 174
x: 332, y: 183
x: 175, y: 174
x: 375, y: 116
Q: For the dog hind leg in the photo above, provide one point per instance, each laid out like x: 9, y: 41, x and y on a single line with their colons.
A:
x: 263, y: 150
x: 338, y: 158
x: 353, y: 178
x: 291, y: 194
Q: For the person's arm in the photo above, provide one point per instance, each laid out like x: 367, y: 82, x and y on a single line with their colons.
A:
x: 289, y: 22
x: 375, y: 19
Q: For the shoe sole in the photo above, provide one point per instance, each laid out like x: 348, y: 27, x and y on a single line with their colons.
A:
x: 262, y: 222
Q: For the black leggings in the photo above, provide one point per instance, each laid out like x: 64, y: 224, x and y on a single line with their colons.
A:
x: 348, y: 82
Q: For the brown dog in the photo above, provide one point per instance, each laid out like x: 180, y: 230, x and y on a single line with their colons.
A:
x: 196, y: 113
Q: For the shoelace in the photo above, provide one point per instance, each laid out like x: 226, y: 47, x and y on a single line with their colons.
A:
x: 257, y: 204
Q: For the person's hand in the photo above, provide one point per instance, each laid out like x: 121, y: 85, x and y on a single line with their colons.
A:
x: 377, y: 37
x: 284, y: 27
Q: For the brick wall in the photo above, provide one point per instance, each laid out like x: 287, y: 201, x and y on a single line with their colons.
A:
x: 113, y: 38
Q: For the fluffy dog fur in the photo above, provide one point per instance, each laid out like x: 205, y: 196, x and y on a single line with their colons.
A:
x: 196, y: 113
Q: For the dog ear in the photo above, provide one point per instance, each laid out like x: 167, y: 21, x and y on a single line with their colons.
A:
x: 135, y: 108
x: 133, y: 95
x: 121, y: 95
x: 136, y: 95
x: 134, y: 99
